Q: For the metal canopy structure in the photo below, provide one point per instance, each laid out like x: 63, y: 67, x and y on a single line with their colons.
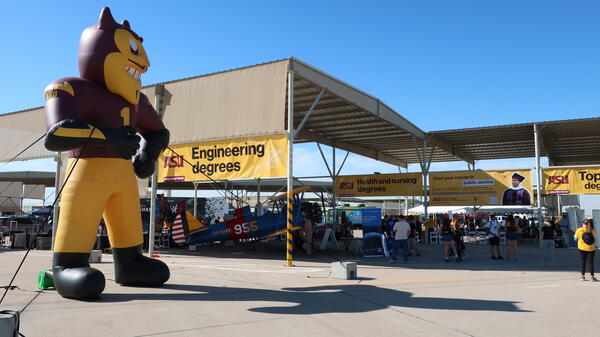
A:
x: 564, y: 142
x: 29, y: 177
x: 331, y: 112
x: 266, y: 185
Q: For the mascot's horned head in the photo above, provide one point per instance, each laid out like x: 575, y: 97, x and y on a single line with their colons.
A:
x: 112, y: 55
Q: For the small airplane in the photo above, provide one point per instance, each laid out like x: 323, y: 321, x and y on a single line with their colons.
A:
x: 189, y: 230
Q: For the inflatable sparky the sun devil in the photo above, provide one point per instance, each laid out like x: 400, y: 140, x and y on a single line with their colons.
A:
x: 97, y: 117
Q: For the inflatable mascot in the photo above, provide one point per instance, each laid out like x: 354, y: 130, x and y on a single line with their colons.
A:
x: 96, y: 117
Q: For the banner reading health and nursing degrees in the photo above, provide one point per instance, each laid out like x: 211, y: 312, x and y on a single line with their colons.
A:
x: 255, y: 157
x: 571, y: 180
x: 481, y: 188
x: 379, y: 185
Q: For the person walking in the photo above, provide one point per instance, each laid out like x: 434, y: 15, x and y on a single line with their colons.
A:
x: 565, y: 229
x: 414, y: 232
x: 401, y: 230
x: 431, y: 225
x: 512, y: 237
x: 548, y: 237
x: 585, y: 237
x: 448, y: 240
x: 494, y: 239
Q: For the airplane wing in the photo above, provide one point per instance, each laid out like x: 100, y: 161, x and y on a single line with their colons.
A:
x: 281, y: 232
x: 294, y: 192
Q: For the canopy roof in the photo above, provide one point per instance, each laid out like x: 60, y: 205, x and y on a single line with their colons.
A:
x: 251, y: 101
x: 348, y: 118
x: 564, y: 142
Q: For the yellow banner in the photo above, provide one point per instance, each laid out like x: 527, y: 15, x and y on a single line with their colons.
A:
x: 256, y: 157
x: 481, y: 188
x: 379, y: 185
x: 571, y: 180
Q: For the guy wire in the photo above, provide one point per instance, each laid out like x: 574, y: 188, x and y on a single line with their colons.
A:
x: 47, y: 216
x: 214, y: 182
x: 27, y: 148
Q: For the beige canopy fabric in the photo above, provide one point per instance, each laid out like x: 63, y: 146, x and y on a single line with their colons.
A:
x: 243, y: 102
x: 239, y: 103
x: 34, y: 191
x: 19, y: 130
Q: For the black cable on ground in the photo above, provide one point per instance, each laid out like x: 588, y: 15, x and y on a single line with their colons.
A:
x: 31, y: 301
x: 47, y: 216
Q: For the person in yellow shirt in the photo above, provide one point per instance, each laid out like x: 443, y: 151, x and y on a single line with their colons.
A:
x: 586, y: 237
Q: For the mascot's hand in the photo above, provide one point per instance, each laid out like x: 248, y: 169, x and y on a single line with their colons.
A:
x: 153, y: 144
x: 143, y: 165
x: 122, y: 140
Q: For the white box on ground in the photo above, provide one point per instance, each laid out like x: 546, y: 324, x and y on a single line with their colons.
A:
x: 343, y: 270
x: 95, y: 256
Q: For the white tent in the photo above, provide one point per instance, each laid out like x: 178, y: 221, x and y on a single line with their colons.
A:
x: 438, y: 209
x: 470, y: 209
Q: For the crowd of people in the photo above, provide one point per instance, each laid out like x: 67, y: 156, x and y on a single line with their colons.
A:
x: 405, y: 232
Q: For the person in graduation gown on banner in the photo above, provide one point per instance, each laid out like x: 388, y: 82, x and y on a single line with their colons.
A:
x: 516, y: 194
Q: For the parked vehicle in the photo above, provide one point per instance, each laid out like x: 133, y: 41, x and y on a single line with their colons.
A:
x: 22, y: 224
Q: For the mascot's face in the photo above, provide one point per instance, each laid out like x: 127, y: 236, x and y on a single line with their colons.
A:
x: 112, y: 55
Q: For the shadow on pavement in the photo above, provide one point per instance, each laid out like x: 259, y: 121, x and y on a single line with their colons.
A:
x: 316, y: 300
x: 477, y: 257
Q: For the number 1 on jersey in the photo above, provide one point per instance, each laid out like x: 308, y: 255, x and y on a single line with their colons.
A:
x: 125, y: 116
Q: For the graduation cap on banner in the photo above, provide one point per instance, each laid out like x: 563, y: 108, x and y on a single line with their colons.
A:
x: 518, y: 176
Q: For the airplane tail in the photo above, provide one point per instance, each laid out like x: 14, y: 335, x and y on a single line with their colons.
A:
x: 177, y: 233
x: 186, y: 224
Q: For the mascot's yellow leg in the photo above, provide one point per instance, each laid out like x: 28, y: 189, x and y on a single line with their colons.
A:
x: 82, y: 203
x: 122, y: 212
x: 97, y: 186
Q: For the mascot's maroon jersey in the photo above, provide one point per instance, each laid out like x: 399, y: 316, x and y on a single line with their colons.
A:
x: 89, y: 102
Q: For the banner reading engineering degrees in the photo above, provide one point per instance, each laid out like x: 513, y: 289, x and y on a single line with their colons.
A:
x: 379, y: 185
x: 481, y: 188
x: 255, y: 157
x: 571, y: 180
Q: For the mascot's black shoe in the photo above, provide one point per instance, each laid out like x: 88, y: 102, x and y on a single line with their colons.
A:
x: 73, y: 277
x: 132, y: 268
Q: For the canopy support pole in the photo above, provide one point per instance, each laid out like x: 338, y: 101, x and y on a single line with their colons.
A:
x: 425, y: 162
x: 290, y: 171
x: 343, y: 162
x: 538, y: 176
x: 406, y: 197
x: 258, y: 204
x: 324, y: 160
x: 159, y: 93
x: 335, y: 217
x: 195, y: 182
x: 310, y: 111
x: 58, y: 159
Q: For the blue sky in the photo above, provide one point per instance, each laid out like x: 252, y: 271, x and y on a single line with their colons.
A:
x: 441, y: 64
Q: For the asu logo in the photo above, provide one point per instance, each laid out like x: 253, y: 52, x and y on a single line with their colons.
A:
x: 558, y: 180
x: 346, y: 185
x: 173, y: 161
x: 51, y: 90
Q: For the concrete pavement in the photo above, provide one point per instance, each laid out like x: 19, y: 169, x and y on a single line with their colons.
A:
x: 230, y: 290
